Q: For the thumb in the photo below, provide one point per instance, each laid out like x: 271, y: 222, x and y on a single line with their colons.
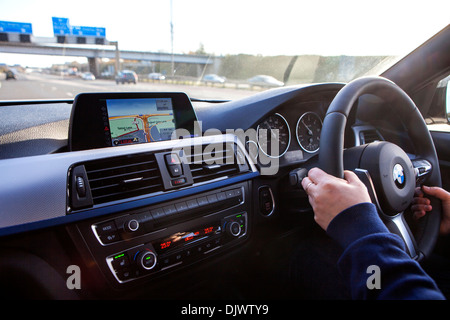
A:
x: 351, y: 177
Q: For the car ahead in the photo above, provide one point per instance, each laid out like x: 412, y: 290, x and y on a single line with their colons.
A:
x: 10, y: 75
x: 213, y: 78
x: 87, y: 76
x: 265, y: 81
x: 156, y: 76
x: 126, y: 76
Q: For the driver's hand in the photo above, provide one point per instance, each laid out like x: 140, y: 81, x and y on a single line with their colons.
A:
x: 329, y: 195
x: 421, y: 205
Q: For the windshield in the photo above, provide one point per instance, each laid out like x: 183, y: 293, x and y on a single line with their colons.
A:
x: 208, y: 49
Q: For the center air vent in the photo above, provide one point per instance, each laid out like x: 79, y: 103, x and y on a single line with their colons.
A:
x: 215, y: 161
x: 123, y: 177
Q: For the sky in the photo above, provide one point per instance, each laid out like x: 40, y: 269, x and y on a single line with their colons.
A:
x: 279, y: 27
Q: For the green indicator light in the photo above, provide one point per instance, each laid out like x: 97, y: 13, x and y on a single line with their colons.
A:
x: 148, y: 258
x: 120, y: 255
x: 239, y: 215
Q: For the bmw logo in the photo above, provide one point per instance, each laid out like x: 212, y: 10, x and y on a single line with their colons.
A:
x: 399, y: 176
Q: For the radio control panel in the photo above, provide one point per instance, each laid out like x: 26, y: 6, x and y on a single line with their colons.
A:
x: 143, y: 221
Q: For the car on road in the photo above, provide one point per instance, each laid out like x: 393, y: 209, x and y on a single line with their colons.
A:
x: 156, y: 76
x: 189, y: 196
x: 126, y: 76
x: 213, y: 78
x: 265, y: 81
x: 87, y: 76
x: 10, y: 75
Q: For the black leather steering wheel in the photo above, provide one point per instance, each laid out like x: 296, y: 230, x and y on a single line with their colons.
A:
x: 388, y: 172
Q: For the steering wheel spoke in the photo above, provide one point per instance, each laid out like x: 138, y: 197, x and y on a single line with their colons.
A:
x: 422, y: 169
x: 395, y: 224
x: 398, y: 225
x: 365, y: 178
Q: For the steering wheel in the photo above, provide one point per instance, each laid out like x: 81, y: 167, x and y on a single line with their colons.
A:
x: 389, y: 174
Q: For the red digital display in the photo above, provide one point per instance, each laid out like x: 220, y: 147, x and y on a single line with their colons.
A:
x: 165, y: 245
x: 180, y: 238
x: 208, y: 230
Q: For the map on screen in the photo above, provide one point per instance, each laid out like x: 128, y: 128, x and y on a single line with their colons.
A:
x: 140, y: 120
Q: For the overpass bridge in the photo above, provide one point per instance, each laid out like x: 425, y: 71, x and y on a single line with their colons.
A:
x: 93, y: 52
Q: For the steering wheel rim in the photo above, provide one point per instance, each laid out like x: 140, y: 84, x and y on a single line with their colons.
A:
x: 331, y: 157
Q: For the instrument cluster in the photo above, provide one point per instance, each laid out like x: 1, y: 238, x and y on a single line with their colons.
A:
x: 282, y: 134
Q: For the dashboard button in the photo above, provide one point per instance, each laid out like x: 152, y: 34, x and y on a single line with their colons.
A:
x: 175, y: 170
x: 110, y: 238
x: 177, y: 182
x: 120, y: 261
x: 202, y: 201
x: 124, y: 274
x: 106, y: 227
x: 181, y: 206
x: 230, y: 194
x: 169, y: 210
x: 221, y: 196
x: 172, y: 159
x: 158, y: 213
x: 192, y: 204
x: 212, y: 198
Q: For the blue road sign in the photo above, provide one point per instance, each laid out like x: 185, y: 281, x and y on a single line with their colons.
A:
x: 16, y: 27
x: 61, y: 26
x: 89, y: 31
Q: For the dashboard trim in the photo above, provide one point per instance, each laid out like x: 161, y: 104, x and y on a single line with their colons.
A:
x: 49, y: 175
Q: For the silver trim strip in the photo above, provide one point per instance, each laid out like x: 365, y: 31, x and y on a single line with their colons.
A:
x: 402, y: 227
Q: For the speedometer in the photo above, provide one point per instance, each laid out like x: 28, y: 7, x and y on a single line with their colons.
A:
x: 308, y: 131
x: 274, y: 136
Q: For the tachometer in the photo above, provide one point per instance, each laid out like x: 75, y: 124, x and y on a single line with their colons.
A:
x: 309, y: 126
x: 274, y: 136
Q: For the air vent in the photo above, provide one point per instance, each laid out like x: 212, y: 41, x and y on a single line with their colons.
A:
x: 369, y: 136
x: 215, y: 161
x: 123, y: 177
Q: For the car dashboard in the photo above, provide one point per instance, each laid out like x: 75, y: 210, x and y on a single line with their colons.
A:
x: 167, y: 218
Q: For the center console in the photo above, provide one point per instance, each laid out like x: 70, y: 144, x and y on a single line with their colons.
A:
x: 153, y: 202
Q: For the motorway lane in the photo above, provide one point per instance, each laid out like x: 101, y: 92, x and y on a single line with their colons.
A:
x: 44, y: 86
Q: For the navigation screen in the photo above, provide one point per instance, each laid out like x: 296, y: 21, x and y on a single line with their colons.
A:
x: 140, y: 120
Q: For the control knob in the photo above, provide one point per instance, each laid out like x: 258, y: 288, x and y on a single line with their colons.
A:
x: 146, y: 259
x: 131, y: 225
x: 233, y: 228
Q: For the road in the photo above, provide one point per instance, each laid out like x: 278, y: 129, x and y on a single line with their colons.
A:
x: 44, y: 86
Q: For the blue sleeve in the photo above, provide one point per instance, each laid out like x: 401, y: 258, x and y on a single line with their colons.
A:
x: 367, y: 242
